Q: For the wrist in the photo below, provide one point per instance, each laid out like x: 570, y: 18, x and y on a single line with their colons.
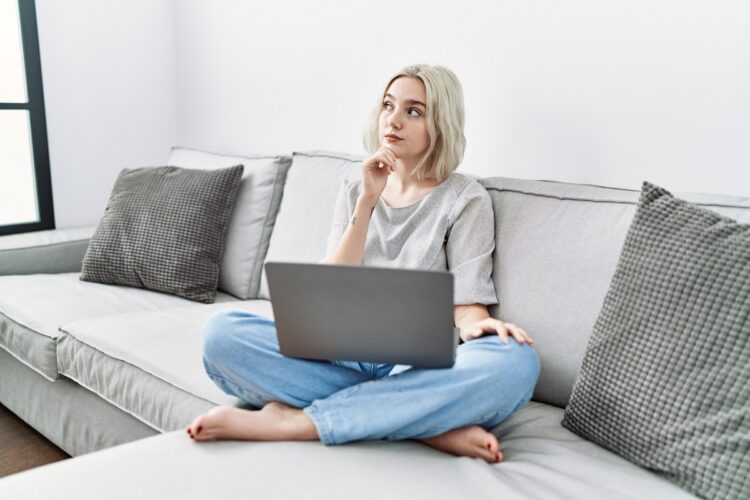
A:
x: 363, y: 210
x: 368, y: 200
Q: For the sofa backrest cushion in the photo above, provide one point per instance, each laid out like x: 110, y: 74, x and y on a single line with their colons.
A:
x: 304, y: 220
x: 253, y: 217
x: 557, y: 247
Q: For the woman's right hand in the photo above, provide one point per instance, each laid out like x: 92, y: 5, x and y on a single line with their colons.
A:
x: 375, y: 172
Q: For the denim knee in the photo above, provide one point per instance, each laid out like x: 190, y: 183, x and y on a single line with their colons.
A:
x: 525, y: 361
x: 217, y: 335
x: 528, y: 367
x: 516, y: 362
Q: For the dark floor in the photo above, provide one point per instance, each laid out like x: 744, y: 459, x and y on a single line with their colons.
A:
x: 21, y: 447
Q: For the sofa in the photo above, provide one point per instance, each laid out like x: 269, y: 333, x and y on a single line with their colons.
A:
x: 113, y: 374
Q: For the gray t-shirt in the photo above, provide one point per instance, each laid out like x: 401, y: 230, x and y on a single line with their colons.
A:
x: 452, y: 228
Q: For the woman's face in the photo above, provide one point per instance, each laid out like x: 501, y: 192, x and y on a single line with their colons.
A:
x: 402, y: 126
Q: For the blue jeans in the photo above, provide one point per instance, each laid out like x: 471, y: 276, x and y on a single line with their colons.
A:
x: 352, y: 401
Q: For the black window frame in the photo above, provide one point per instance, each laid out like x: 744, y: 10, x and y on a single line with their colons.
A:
x: 38, y: 122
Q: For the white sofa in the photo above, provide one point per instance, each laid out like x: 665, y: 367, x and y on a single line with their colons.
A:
x: 94, y: 366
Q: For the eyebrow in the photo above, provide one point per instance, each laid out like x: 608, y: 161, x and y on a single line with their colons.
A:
x: 408, y: 101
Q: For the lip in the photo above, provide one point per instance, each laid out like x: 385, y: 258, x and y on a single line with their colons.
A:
x: 393, y: 137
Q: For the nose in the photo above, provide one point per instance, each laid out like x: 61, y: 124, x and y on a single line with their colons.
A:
x: 393, y: 120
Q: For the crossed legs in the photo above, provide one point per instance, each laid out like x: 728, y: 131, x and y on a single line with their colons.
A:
x: 338, y: 402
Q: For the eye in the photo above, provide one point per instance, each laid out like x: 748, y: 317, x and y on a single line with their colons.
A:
x: 387, y: 105
x: 415, y: 111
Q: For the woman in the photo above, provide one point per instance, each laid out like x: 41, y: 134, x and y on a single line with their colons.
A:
x: 408, y: 210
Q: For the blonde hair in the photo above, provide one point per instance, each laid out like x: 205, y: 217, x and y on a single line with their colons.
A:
x: 445, y: 121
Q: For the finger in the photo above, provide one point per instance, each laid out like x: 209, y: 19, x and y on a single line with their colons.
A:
x: 503, y: 333
x: 379, y: 161
x: 531, y: 341
x: 390, y: 154
x: 388, y: 158
x: 516, y: 333
x: 473, y: 334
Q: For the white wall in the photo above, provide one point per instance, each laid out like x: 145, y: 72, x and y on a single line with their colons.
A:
x: 586, y: 91
x: 109, y: 76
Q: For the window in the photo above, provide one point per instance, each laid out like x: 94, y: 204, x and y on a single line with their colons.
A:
x: 25, y: 187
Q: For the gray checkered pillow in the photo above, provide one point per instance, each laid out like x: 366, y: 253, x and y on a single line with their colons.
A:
x: 164, y: 229
x: 665, y: 381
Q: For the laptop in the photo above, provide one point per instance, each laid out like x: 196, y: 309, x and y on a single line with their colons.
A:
x: 365, y: 314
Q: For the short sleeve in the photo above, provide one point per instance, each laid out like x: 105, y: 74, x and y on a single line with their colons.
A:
x: 340, y: 221
x: 469, y: 246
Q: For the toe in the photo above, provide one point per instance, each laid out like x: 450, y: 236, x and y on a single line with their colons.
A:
x: 488, y: 455
x: 494, y: 446
x: 493, y: 456
x: 195, y: 428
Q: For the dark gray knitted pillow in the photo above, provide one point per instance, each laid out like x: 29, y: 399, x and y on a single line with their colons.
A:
x: 665, y: 381
x: 164, y: 229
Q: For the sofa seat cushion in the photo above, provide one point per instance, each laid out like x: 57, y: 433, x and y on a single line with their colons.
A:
x: 545, y: 460
x: 32, y: 307
x: 148, y: 364
x: 542, y: 460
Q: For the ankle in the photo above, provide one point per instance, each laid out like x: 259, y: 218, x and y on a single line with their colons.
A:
x: 305, y: 426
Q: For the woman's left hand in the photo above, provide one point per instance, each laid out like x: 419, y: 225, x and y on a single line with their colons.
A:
x: 503, y: 329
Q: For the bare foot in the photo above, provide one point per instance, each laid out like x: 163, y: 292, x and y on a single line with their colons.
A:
x: 472, y: 441
x: 275, y: 422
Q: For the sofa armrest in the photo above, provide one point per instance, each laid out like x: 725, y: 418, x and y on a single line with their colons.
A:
x: 52, y: 251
